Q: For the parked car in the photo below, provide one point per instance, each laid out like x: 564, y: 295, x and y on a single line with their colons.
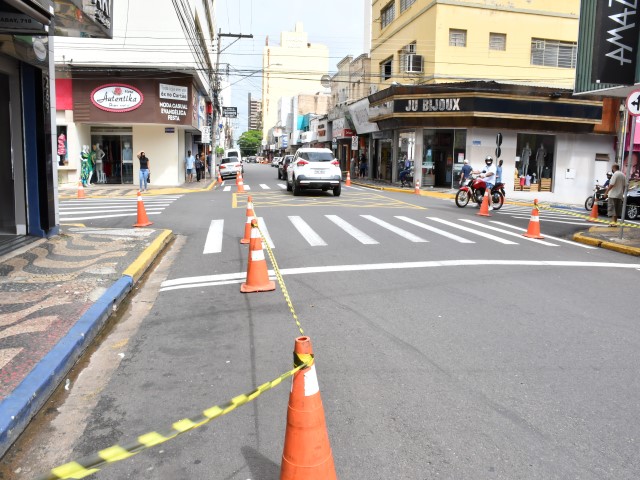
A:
x: 633, y: 204
x: 276, y: 161
x: 251, y: 159
x: 230, y: 167
x: 282, y: 167
x: 314, y: 168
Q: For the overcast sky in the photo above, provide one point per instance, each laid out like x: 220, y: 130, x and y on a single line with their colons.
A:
x: 338, y: 24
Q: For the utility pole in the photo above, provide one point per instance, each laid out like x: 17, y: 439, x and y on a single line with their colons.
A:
x: 217, y: 108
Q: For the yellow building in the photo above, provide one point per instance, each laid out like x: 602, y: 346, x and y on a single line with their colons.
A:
x: 516, y: 41
x: 293, y: 67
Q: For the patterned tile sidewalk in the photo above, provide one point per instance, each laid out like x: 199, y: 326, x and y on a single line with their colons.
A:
x: 49, y: 287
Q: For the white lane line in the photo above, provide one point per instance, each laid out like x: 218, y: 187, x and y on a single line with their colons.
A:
x: 119, y: 208
x: 282, y: 185
x: 435, y: 230
x: 246, y: 187
x: 392, y: 228
x: 570, y: 242
x: 307, y: 232
x: 351, y: 230
x: 475, y: 232
x: 517, y: 235
x: 230, y: 278
x: 265, y: 231
x: 265, y: 187
x: 227, y: 188
x: 67, y: 218
x: 213, y: 243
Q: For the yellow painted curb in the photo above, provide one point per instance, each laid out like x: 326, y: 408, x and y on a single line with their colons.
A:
x: 140, y: 265
x: 616, y: 247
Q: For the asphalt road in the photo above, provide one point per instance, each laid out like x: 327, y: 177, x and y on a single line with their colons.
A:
x: 441, y: 352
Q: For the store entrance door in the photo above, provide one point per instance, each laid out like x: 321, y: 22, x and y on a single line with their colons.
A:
x: 116, y: 153
x: 7, y: 192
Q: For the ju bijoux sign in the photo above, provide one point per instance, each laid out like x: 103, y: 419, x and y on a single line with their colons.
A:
x: 427, y: 105
x: 117, y: 98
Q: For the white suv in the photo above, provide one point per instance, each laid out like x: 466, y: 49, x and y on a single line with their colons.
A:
x: 314, y: 168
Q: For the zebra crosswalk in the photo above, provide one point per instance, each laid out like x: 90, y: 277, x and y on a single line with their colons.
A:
x: 556, y: 215
x: 102, y: 208
x: 372, y: 230
x: 231, y: 187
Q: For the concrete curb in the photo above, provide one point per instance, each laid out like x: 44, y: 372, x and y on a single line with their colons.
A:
x: 616, y: 247
x: 21, y: 405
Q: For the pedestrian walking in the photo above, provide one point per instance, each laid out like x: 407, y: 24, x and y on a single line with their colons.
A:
x: 199, y: 167
x: 190, y: 165
x: 209, y: 164
x: 615, y: 194
x: 363, y: 165
x: 145, y: 170
x: 465, y: 172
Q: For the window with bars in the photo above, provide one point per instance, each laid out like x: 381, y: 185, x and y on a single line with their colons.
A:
x: 457, y: 38
x: 386, y: 69
x: 553, y: 53
x: 388, y: 13
x: 404, y: 4
x: 497, y: 41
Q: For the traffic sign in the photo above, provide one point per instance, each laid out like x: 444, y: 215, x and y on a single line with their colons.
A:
x: 354, y: 142
x: 498, y: 141
x: 498, y: 152
x: 633, y: 103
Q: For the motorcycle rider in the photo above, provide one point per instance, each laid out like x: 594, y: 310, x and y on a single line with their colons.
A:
x: 489, y: 175
x: 606, y: 184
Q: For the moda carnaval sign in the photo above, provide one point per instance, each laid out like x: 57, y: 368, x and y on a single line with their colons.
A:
x: 118, y: 98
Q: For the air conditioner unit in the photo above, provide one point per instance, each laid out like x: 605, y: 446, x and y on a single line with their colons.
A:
x: 413, y: 64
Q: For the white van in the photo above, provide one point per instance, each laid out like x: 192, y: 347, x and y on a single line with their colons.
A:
x: 233, y: 152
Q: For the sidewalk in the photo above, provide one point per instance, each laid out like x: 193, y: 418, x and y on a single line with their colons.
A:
x: 55, y: 296
x: 594, y: 234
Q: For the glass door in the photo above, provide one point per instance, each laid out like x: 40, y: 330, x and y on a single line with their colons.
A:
x: 112, y: 151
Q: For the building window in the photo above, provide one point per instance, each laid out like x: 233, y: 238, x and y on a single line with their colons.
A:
x: 386, y: 69
x: 497, y: 41
x: 457, y: 38
x: 404, y: 4
x: 388, y: 13
x: 553, y: 53
x: 535, y: 162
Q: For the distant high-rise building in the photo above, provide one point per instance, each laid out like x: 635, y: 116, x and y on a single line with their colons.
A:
x: 255, y: 114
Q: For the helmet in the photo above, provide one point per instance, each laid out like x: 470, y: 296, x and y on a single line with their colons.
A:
x: 488, y: 159
x: 609, y: 174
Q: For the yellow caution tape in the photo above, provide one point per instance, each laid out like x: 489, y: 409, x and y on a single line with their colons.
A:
x: 586, y: 217
x: 115, y: 453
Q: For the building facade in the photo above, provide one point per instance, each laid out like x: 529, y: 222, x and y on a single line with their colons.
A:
x: 254, y: 109
x: 146, y: 89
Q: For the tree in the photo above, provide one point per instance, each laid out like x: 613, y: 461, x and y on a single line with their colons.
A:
x: 250, y: 142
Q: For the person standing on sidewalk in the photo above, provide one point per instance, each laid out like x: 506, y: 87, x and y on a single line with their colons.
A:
x: 144, y: 171
x: 615, y: 193
x: 190, y: 165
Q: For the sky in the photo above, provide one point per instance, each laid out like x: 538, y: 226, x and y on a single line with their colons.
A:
x: 338, y: 24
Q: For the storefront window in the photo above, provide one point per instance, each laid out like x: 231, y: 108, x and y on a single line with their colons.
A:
x: 443, y: 156
x: 534, y: 162
x: 61, y: 136
x: 406, y: 152
x: 112, y: 150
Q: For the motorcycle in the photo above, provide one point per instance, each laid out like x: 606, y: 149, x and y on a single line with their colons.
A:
x: 598, y: 196
x: 474, y: 190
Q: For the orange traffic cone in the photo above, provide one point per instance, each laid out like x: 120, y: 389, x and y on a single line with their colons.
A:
x: 250, y: 216
x: 257, y: 274
x: 417, y: 188
x: 81, y: 190
x: 219, y: 178
x: 307, y: 451
x: 534, y: 224
x: 240, y: 183
x: 593, y: 216
x: 143, y: 220
x: 484, y: 208
x: 348, y: 182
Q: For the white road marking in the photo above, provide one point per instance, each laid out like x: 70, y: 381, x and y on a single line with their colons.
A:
x: 227, y: 189
x: 475, y: 232
x: 545, y: 219
x: 213, y: 244
x: 435, y: 230
x: 265, y: 186
x: 351, y: 230
x: 307, y: 232
x: 246, y: 187
x: 115, y: 208
x: 265, y: 231
x: 96, y: 217
x: 282, y: 185
x: 235, y: 278
x: 576, y: 244
x: 489, y: 227
x: 399, y: 231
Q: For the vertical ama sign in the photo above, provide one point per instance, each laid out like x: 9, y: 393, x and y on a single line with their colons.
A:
x: 615, y: 46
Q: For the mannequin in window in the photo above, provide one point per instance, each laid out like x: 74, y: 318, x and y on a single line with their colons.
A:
x: 541, y: 154
x: 127, y: 153
x: 62, y: 148
x: 85, y: 170
x: 98, y: 155
x: 524, y: 158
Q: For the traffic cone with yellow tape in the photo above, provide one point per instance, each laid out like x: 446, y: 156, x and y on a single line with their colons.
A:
x: 80, y: 190
x: 533, y: 231
x: 143, y: 220
x: 240, y: 183
x: 307, y: 452
x: 484, y: 208
x: 257, y: 273
x: 593, y: 216
x: 348, y: 182
x: 250, y: 216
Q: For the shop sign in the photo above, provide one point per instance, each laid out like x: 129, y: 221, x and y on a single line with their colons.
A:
x: 174, y: 92
x: 117, y: 98
x: 428, y: 105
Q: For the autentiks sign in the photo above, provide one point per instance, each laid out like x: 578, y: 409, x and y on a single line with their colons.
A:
x: 118, y: 98
x: 615, y: 42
